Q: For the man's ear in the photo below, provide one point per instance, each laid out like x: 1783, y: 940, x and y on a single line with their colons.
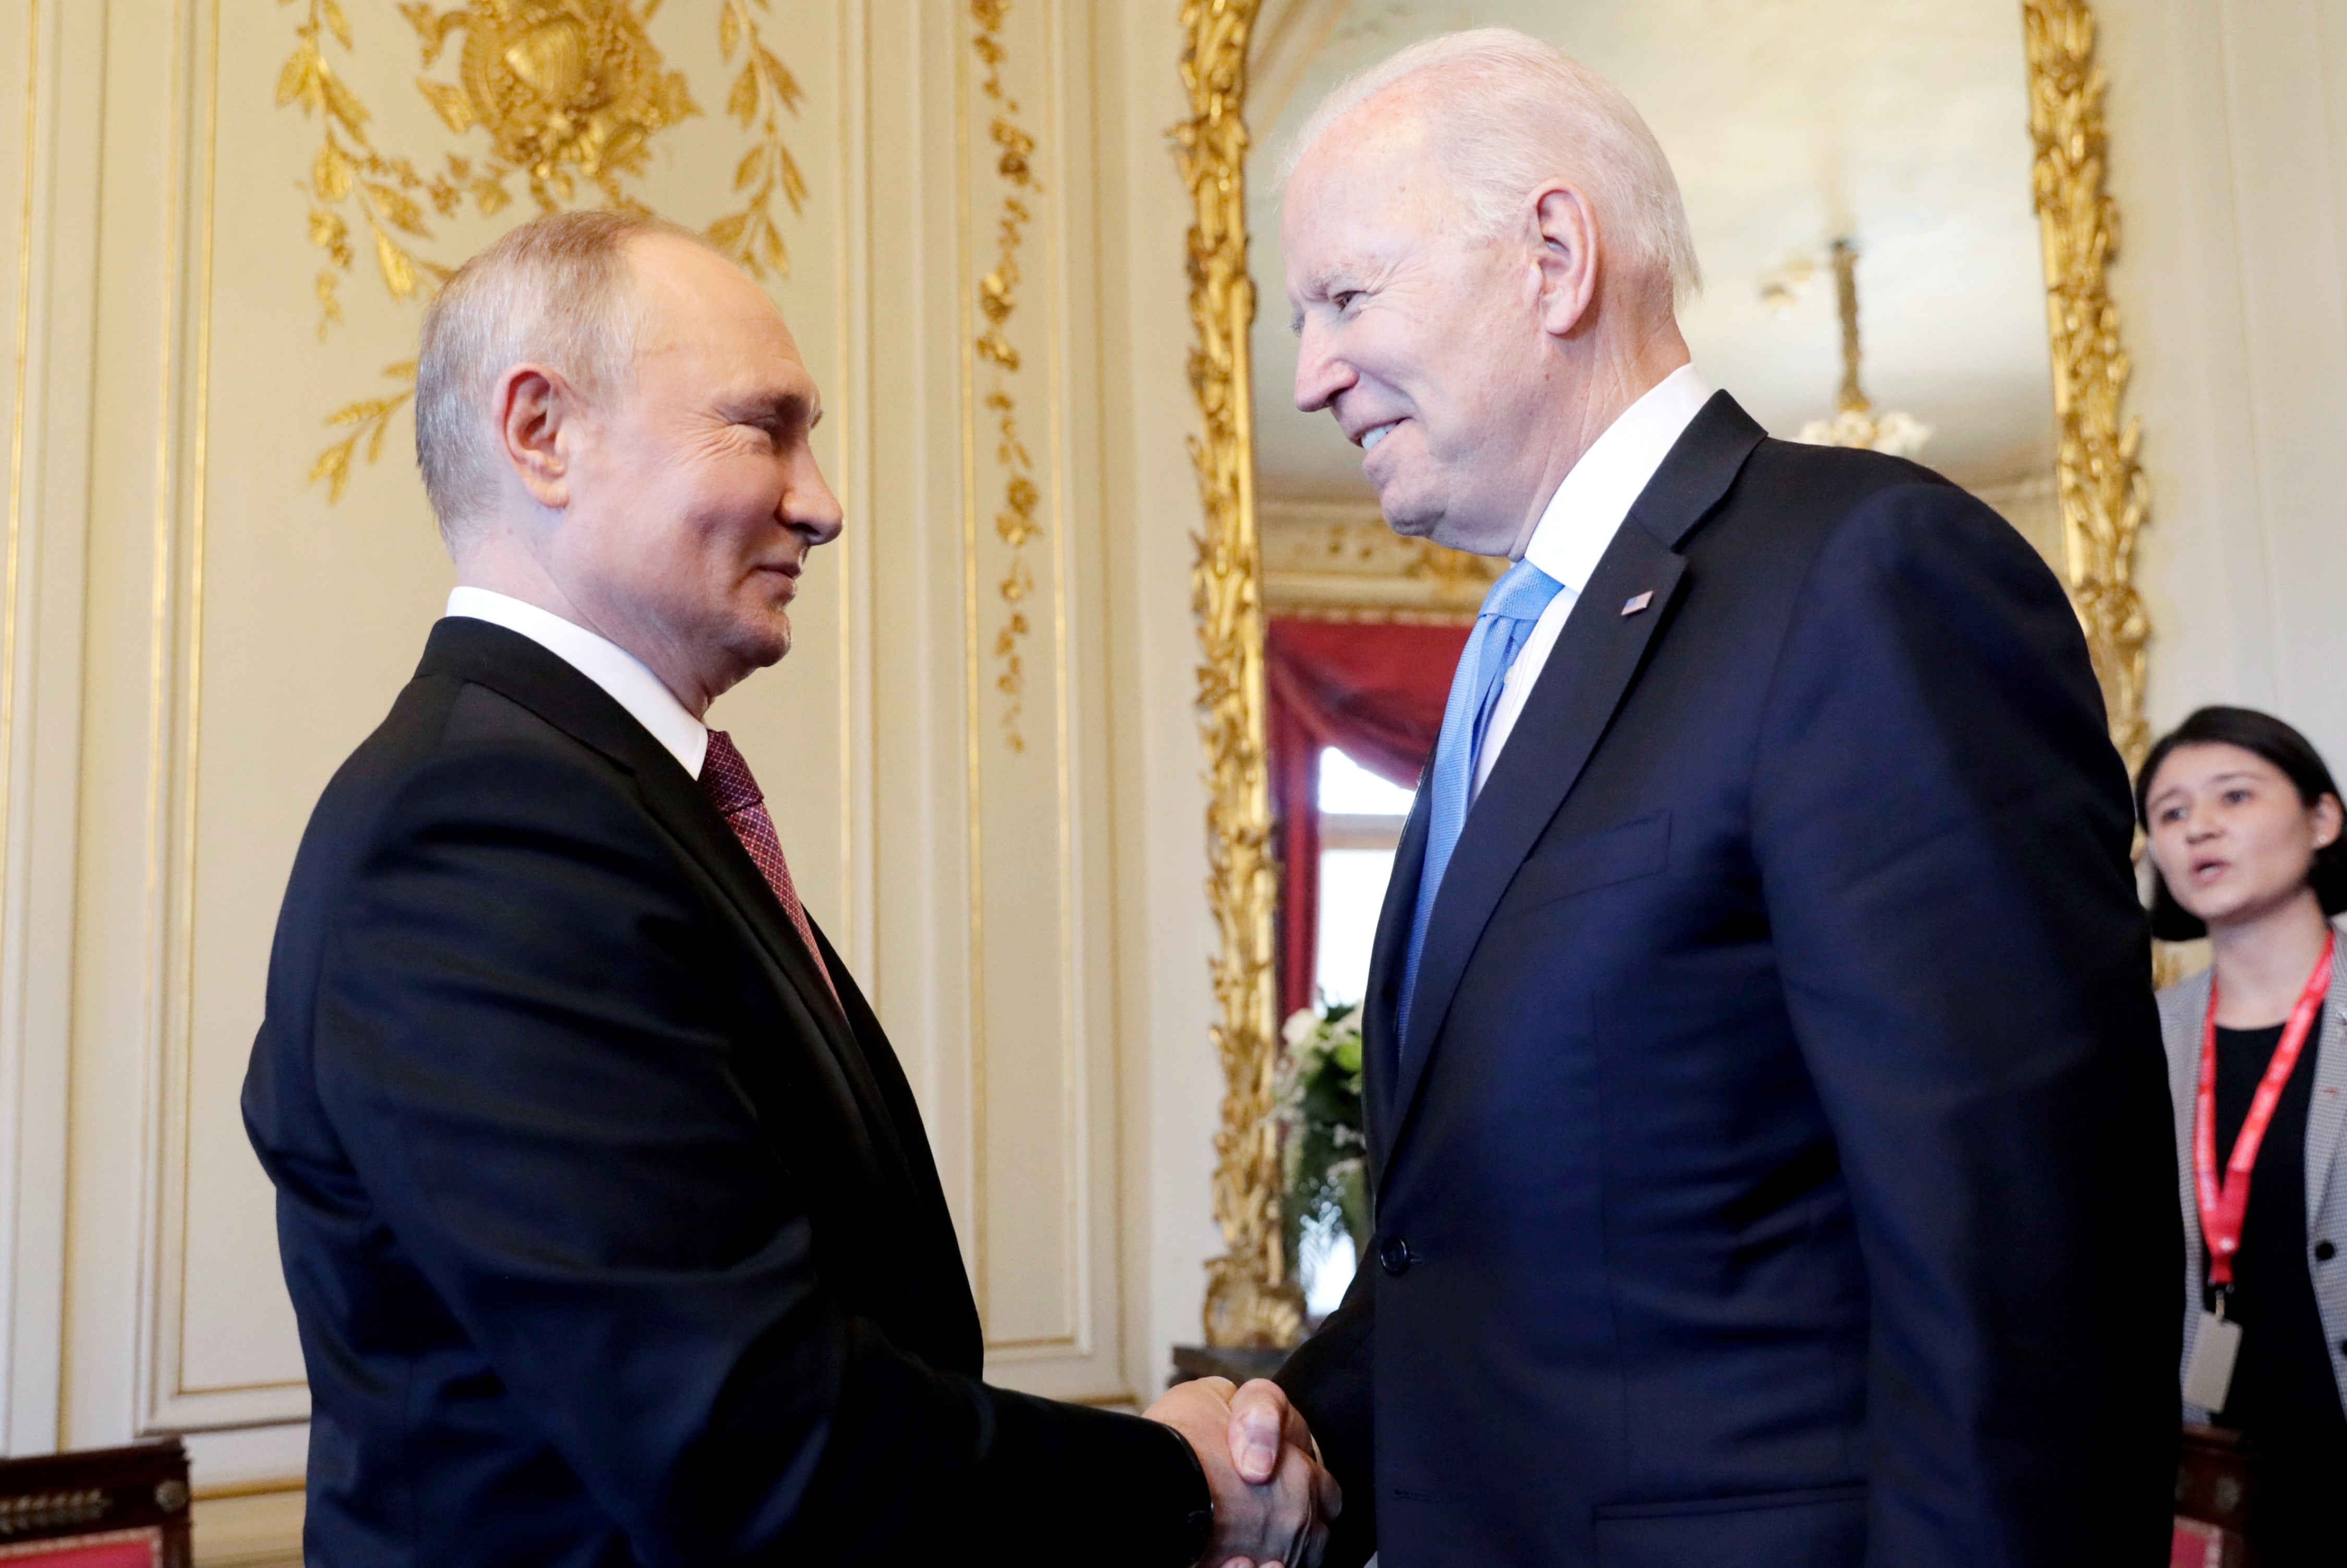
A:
x: 532, y: 405
x: 1568, y: 258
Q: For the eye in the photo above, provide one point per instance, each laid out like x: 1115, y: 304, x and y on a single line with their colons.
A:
x: 1343, y: 300
x: 2237, y: 795
x: 2170, y: 813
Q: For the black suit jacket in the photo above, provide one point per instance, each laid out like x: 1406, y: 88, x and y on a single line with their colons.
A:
x: 610, y: 1240
x: 1776, y: 1169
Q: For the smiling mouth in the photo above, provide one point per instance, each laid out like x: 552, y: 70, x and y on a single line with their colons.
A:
x: 1377, y: 433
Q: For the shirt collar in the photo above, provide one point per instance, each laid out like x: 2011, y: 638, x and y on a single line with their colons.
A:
x: 1583, y: 516
x: 629, y: 681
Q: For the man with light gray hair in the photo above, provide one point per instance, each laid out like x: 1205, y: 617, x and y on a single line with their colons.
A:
x: 1766, y: 1117
x: 606, y: 1212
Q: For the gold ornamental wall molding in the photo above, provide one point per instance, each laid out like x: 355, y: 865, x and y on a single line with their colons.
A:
x: 2103, y: 494
x: 2105, y: 497
x: 1250, y: 1301
x: 558, y: 100
x: 1335, y: 559
x: 1015, y: 522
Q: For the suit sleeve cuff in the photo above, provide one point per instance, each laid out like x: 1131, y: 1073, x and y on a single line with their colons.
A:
x: 1199, y: 1520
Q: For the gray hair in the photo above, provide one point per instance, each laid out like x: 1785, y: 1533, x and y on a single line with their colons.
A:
x: 1513, y: 112
x: 559, y: 290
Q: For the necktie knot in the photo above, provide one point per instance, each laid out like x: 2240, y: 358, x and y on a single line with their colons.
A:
x: 1523, y: 592
x: 725, y: 776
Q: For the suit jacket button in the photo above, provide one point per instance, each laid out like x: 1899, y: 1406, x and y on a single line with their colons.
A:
x: 2324, y: 1252
x: 1394, y: 1255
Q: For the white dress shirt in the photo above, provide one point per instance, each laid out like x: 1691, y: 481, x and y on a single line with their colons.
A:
x: 1580, y: 521
x: 630, y: 682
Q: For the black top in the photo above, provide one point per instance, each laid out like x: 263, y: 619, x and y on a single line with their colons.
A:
x: 2284, y: 1393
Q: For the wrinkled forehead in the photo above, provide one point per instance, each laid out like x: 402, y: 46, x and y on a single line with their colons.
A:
x: 703, y: 313
x: 1358, y: 205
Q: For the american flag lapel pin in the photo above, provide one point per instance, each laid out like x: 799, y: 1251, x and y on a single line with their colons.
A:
x: 1631, y: 606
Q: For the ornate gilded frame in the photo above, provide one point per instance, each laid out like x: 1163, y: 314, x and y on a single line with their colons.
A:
x: 2104, y: 500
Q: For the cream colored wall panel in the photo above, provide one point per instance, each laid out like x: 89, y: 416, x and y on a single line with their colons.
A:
x: 2226, y: 161
x: 45, y: 141
x: 1170, y: 1081
x: 24, y: 1306
x: 994, y: 969
x: 1026, y: 1041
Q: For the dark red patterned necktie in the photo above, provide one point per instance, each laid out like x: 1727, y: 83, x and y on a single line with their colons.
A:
x: 725, y: 779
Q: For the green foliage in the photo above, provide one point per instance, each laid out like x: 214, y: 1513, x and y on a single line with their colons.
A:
x: 1321, y: 1102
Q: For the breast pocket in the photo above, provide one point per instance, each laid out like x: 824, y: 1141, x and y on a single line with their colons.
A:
x: 1639, y: 847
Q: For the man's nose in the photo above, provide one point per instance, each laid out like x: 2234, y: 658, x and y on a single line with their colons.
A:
x: 1321, y: 376
x: 809, y: 507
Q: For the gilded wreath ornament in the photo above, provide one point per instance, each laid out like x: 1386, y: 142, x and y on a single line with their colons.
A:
x: 562, y: 101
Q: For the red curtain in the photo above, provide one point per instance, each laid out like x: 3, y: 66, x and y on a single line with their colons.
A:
x: 1373, y: 691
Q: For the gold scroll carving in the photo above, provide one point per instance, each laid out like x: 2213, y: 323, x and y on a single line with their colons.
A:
x: 997, y: 299
x: 1250, y: 1300
x: 1338, y: 561
x: 2103, y: 495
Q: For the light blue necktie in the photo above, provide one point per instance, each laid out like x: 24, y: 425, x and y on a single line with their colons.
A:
x: 1501, y: 629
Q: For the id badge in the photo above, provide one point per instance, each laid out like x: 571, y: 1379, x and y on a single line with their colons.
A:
x: 2209, y: 1376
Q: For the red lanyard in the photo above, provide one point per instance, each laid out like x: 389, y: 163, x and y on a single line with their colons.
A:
x: 2222, y: 1209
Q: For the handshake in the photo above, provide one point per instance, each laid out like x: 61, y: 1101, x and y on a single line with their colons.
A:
x: 1273, y: 1500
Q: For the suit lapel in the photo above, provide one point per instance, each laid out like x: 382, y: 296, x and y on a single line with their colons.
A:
x: 2326, y: 1116
x: 1381, y: 1030
x: 1589, y: 671
x: 677, y: 803
x: 514, y: 666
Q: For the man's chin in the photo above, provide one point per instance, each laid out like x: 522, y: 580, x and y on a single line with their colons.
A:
x: 762, y: 643
x: 1436, y: 525
x: 1407, y: 516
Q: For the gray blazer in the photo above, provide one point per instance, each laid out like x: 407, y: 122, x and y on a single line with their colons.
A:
x: 2183, y: 1014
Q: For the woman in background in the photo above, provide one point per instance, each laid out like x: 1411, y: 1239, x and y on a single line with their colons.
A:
x: 2244, y: 826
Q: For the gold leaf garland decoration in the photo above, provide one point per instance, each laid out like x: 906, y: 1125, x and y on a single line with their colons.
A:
x: 348, y: 177
x: 1250, y: 1301
x: 762, y: 93
x: 569, y: 94
x: 998, y: 298
x: 2105, y: 497
x: 370, y: 418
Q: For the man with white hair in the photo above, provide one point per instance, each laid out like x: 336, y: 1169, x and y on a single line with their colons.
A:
x: 606, y: 1212
x: 1766, y: 1118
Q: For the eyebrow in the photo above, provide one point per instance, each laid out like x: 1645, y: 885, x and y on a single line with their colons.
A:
x: 2172, y: 790
x: 1333, y: 280
x: 764, y: 408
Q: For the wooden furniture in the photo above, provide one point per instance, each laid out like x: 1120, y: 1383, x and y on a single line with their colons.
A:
x: 1238, y: 1364
x: 104, y: 1508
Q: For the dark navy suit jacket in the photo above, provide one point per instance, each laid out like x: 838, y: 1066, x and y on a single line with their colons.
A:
x: 610, y: 1240
x: 1776, y: 1170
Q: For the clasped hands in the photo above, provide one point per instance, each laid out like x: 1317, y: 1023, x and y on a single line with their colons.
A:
x: 1273, y: 1499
